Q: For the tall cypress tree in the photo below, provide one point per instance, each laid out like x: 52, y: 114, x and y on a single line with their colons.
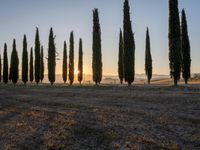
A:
x: 5, y: 65
x: 37, y: 57
x: 64, y: 67
x: 71, y: 59
x: 80, y: 62
x: 97, y: 56
x: 51, y: 58
x: 129, y: 46
x: 148, y: 58
x: 174, y: 41
x: 41, y: 64
x: 14, y: 64
x: 25, y: 61
x: 186, y: 58
x: 121, y: 58
x: 31, y: 66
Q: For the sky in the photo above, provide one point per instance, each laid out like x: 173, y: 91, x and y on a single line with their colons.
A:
x: 19, y: 17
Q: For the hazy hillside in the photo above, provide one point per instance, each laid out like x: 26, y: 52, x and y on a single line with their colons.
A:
x: 112, y: 79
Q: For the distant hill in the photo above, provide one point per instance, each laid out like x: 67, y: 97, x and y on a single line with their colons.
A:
x: 111, y: 79
x: 195, y: 76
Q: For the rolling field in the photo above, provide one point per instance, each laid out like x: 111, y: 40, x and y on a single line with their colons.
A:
x: 103, y: 117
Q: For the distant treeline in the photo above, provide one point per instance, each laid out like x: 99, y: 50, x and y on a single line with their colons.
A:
x: 33, y: 68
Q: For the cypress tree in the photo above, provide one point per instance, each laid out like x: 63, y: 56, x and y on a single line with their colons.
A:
x: 64, y: 75
x: 148, y: 58
x: 0, y: 67
x: 174, y: 41
x: 25, y: 61
x: 97, y: 56
x: 37, y: 57
x: 129, y: 46
x: 5, y: 65
x: 121, y: 58
x: 41, y: 64
x: 80, y: 62
x: 71, y: 59
x: 186, y: 58
x: 51, y: 58
x: 31, y: 66
x: 14, y: 64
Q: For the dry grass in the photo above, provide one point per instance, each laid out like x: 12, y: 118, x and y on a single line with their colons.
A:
x: 103, y: 117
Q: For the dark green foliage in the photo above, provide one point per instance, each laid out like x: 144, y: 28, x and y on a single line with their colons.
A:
x: 41, y: 64
x: 14, y: 64
x: 51, y: 58
x: 129, y: 46
x: 96, y: 47
x: 80, y: 62
x: 174, y: 41
x: 121, y: 58
x: 5, y: 65
x: 186, y: 58
x: 37, y: 57
x: 64, y: 67
x: 71, y: 59
x: 31, y: 66
x: 25, y: 61
x: 148, y: 58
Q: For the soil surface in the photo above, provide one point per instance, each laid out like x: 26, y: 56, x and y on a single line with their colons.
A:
x: 101, y: 117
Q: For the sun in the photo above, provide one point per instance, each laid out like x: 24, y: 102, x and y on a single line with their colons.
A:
x: 76, y: 71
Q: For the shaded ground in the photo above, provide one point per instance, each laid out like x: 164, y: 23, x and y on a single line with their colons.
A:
x: 104, y: 117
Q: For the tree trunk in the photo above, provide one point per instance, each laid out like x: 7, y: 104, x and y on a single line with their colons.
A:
x: 149, y: 81
x: 121, y: 81
x: 186, y: 81
x: 175, y: 82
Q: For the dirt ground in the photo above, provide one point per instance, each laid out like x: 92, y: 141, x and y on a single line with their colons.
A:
x: 105, y: 117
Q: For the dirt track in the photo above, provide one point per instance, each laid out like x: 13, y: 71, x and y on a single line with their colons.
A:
x: 104, y: 117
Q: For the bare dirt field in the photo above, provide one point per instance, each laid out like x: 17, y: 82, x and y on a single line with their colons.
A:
x: 105, y: 117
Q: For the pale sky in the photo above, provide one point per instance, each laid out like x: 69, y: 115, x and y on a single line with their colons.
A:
x: 19, y: 17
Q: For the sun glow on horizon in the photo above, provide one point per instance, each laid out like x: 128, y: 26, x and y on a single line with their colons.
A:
x: 76, y: 71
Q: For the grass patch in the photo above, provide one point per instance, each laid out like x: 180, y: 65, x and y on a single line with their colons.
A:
x: 91, y: 137
x: 59, y: 134
x: 73, y: 106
